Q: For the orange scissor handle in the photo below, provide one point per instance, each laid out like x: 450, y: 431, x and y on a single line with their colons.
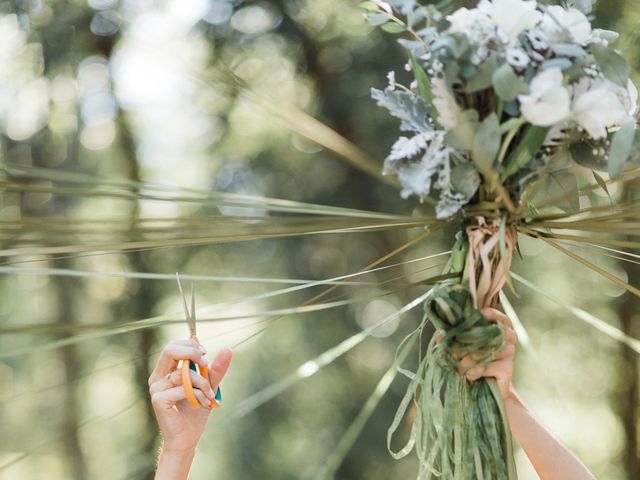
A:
x: 188, y: 386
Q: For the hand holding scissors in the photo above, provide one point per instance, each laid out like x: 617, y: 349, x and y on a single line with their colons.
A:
x: 174, y: 388
x: 189, y: 365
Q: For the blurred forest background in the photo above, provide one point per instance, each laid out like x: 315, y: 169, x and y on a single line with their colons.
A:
x: 150, y: 122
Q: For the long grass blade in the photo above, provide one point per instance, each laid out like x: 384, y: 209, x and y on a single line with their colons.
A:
x: 525, y: 341
x: 105, y: 330
x: 594, y: 267
x: 199, y: 241
x: 311, y: 367
x: 337, y: 456
x: 304, y: 124
x: 208, y: 310
x: 85, y: 184
x: 628, y: 176
x: 63, y: 272
x: 579, y: 239
x: 374, y: 264
x: 585, y: 316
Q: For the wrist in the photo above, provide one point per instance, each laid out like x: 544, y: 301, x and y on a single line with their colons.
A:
x: 509, y: 394
x: 178, y: 452
x: 174, y: 464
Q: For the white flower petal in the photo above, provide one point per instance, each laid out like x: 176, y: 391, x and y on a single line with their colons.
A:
x: 512, y: 16
x: 558, y: 23
x: 597, y: 109
x: 548, y: 101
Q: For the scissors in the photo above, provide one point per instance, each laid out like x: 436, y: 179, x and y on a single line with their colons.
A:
x: 190, y: 365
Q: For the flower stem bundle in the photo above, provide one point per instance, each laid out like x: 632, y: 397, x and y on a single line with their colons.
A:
x: 459, y: 430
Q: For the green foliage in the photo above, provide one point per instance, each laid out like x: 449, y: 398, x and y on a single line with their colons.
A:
x: 525, y: 150
x: 621, y: 146
x: 611, y: 63
x: 507, y: 84
x: 465, y: 179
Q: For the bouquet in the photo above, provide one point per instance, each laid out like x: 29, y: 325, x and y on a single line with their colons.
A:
x: 505, y: 98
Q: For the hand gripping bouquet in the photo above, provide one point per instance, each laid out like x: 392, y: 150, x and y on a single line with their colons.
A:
x: 505, y: 98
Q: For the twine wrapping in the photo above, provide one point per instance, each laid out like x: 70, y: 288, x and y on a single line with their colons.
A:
x: 459, y: 428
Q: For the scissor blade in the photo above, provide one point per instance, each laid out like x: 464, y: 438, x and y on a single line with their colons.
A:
x: 190, y: 320
x: 193, y: 311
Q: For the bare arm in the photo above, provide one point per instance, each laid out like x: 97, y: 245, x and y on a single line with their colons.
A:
x: 550, y: 458
x: 548, y: 455
x: 181, y: 425
x: 173, y: 465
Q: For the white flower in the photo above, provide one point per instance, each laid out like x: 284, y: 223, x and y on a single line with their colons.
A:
x: 566, y: 25
x: 448, y: 109
x: 584, y: 6
x: 548, y: 101
x: 596, y: 106
x: 475, y: 25
x: 538, y: 39
x: 517, y: 58
x: 464, y: 21
x: 511, y: 16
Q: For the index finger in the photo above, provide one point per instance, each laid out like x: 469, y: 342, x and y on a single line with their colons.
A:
x: 172, y: 354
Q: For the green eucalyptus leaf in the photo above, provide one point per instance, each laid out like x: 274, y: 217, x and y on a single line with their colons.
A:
x: 511, y: 108
x: 483, y: 77
x: 600, y: 181
x: 526, y: 149
x: 611, y: 63
x: 468, y: 71
x: 561, y: 63
x: 451, y: 71
x: 583, y: 154
x: 507, y: 84
x: 635, y: 149
x: 414, y: 47
x: 608, y: 35
x: 465, y: 179
x: 620, y: 150
x: 446, y: 45
x: 462, y: 137
x: 370, y: 6
x: 377, y: 19
x: 415, y: 16
x: 568, y: 50
x: 486, y: 142
x: 394, y: 28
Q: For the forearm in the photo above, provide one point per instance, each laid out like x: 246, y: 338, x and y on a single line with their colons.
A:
x: 549, y: 457
x: 174, y: 465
